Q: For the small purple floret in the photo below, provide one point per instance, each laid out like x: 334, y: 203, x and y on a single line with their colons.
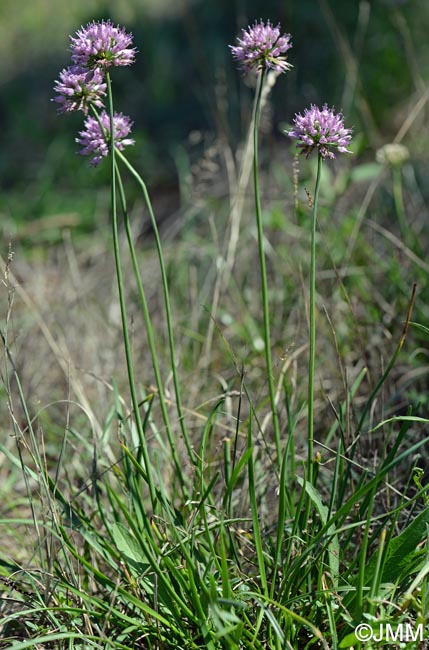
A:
x: 101, y: 45
x: 262, y: 47
x: 321, y: 129
x: 77, y: 90
x: 93, y: 140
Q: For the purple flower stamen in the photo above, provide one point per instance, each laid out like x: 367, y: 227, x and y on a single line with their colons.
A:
x: 321, y: 129
x: 95, y: 140
x: 262, y: 48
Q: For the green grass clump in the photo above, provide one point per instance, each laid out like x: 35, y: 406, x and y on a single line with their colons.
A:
x: 221, y: 569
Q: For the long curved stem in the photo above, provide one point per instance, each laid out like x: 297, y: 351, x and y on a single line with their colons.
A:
x: 122, y: 302
x: 312, y: 310
x: 264, y: 284
x: 176, y: 382
x: 150, y: 335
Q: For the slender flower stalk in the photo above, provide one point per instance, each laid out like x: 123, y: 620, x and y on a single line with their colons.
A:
x: 113, y: 154
x: 395, y: 155
x: 312, y: 310
x: 151, y: 338
x: 169, y: 319
x: 263, y: 48
x: 321, y: 130
x: 398, y: 199
x: 264, y: 283
x: 122, y: 302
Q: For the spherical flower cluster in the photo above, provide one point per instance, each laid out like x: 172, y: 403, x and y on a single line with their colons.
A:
x: 321, y: 129
x: 393, y: 154
x: 102, y: 45
x: 82, y: 86
x: 77, y: 90
x: 262, y: 47
x: 95, y: 136
x: 94, y: 48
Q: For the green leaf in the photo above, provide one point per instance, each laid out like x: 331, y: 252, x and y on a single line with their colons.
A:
x: 235, y: 475
x: 365, y: 172
x: 401, y: 550
x: 349, y: 641
x: 333, y: 544
x: 423, y: 328
x: 129, y: 547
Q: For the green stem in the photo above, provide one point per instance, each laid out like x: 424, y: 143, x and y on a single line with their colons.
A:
x: 119, y: 277
x: 399, y: 201
x: 257, y: 537
x: 312, y: 310
x: 143, y: 187
x: 150, y: 335
x: 363, y: 559
x: 264, y: 285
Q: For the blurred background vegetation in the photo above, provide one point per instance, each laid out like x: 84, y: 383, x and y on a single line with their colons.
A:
x: 368, y: 58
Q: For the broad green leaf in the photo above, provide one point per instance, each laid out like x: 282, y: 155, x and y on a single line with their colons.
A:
x: 349, y: 641
x: 129, y: 546
x: 365, y: 172
x: 401, y: 550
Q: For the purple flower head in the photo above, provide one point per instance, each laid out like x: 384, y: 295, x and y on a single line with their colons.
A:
x: 77, y: 90
x: 101, y: 45
x: 321, y: 129
x: 262, y: 47
x: 95, y: 140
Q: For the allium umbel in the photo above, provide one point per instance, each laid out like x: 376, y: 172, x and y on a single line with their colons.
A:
x: 262, y: 47
x: 77, y: 90
x: 321, y: 129
x: 393, y: 154
x: 96, y: 143
x: 101, y: 45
